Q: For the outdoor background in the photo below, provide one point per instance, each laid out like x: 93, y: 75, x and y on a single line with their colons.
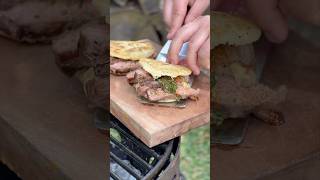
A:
x: 142, y: 19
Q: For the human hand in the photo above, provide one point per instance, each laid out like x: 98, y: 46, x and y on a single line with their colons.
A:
x: 175, y: 13
x: 197, y: 33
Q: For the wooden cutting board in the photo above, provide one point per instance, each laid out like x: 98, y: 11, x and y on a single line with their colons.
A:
x: 153, y: 124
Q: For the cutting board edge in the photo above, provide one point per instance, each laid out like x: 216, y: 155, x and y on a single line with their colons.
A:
x: 134, y: 127
x: 201, y: 120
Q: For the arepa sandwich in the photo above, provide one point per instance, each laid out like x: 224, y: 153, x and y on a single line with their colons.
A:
x: 233, y: 50
x: 237, y: 91
x: 124, y: 55
x: 157, y: 81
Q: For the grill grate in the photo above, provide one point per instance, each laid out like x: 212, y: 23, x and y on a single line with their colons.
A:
x: 131, y: 159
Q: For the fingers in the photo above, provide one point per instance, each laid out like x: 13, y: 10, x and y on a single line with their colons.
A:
x: 175, y: 13
x: 167, y: 11
x: 179, y: 12
x: 182, y: 35
x: 269, y: 17
x: 197, y: 33
x: 197, y: 10
x: 195, y: 43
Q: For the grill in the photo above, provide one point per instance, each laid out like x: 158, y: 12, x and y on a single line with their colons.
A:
x: 131, y: 159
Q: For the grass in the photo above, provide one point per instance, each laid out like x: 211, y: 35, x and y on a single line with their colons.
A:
x: 195, y: 154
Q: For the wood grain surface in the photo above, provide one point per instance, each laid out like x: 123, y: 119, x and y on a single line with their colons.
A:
x: 154, y: 124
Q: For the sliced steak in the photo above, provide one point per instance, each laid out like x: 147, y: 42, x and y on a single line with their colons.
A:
x: 152, y: 90
x: 152, y: 84
x: 158, y: 94
x: 123, y: 67
x: 130, y: 76
x: 142, y: 87
x: 139, y: 75
x: 114, y: 60
x: 187, y: 92
x: 141, y: 90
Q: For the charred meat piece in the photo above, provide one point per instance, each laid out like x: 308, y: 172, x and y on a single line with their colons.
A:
x: 138, y: 75
x: 151, y: 84
x: 159, y: 94
x: 114, y: 60
x: 187, y: 92
x: 142, y: 88
x: 123, y: 67
x: 153, y: 90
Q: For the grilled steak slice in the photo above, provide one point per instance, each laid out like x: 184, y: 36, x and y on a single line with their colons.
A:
x: 158, y: 94
x: 152, y: 90
x: 141, y: 90
x: 114, y: 60
x: 143, y: 87
x: 187, y: 92
x: 138, y: 75
x: 130, y: 77
x: 123, y: 67
x: 152, y: 84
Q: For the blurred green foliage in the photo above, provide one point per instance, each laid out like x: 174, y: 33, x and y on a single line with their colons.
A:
x: 195, y: 154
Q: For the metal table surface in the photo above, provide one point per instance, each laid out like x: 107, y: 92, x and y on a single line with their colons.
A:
x: 46, y: 128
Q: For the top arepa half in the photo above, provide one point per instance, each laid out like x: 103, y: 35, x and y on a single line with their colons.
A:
x: 227, y: 29
x: 158, y: 69
x: 132, y: 50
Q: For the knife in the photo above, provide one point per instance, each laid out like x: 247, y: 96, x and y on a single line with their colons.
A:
x: 162, y: 56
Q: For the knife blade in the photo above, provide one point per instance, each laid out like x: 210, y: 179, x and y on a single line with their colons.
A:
x: 162, y: 56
